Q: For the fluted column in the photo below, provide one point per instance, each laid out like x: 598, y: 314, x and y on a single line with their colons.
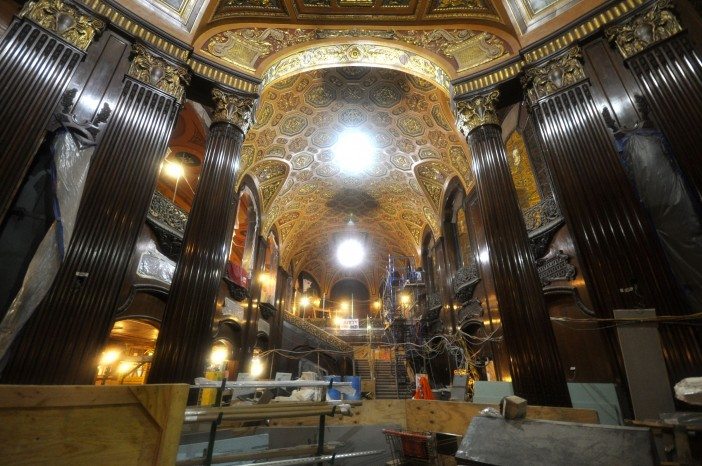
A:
x: 38, y: 56
x: 535, y: 365
x: 669, y: 72
x: 185, y: 337
x: 61, y: 342
x: 619, y: 253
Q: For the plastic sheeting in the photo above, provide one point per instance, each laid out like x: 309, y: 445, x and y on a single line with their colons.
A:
x: 156, y: 266
x: 662, y: 190
x: 72, y: 165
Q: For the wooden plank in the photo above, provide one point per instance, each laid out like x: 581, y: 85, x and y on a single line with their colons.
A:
x: 371, y: 412
x: 453, y: 417
x: 91, y: 425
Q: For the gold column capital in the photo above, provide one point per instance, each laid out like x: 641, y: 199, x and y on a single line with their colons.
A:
x: 644, y: 30
x: 475, y: 111
x: 66, y: 21
x: 549, y: 78
x: 157, y: 72
x: 234, y: 109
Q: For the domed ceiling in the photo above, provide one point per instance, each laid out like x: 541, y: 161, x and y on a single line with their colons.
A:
x: 309, y: 200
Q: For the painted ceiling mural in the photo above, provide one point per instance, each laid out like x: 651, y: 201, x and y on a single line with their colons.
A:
x: 305, y: 195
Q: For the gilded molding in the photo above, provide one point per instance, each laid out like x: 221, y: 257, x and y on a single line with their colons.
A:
x: 477, y: 111
x: 555, y: 75
x: 357, y: 54
x: 65, y: 21
x: 233, y: 109
x: 124, y: 23
x: 216, y: 74
x: 155, y: 71
x: 644, y: 30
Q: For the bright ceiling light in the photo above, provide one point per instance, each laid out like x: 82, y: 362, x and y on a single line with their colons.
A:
x: 173, y: 169
x: 350, y: 252
x: 354, y: 152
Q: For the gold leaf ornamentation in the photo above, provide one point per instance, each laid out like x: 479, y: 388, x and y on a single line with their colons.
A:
x: 555, y: 75
x: 155, y: 71
x: 477, y: 111
x: 63, y: 20
x: 233, y: 109
x: 644, y: 30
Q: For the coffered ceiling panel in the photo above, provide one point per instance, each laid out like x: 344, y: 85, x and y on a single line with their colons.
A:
x: 290, y: 153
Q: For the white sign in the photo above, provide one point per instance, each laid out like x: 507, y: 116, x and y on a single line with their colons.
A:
x: 348, y: 324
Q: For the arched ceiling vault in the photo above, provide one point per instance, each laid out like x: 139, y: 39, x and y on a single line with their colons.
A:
x: 289, y: 154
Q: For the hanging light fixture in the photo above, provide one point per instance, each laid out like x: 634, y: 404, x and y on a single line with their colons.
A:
x: 350, y: 251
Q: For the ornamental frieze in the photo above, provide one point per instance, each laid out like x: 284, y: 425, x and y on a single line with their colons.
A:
x: 644, y: 30
x: 155, y: 71
x: 233, y: 109
x: 477, y: 111
x: 65, y: 21
x: 556, y: 74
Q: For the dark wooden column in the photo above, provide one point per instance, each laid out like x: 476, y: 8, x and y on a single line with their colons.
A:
x: 536, y: 369
x: 185, y: 337
x: 669, y: 71
x: 619, y: 253
x: 61, y: 342
x: 38, y: 56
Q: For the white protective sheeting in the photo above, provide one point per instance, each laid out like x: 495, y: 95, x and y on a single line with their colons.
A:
x: 155, y: 265
x: 72, y: 165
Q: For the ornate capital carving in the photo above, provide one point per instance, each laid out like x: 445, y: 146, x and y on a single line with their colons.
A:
x: 555, y: 75
x: 234, y: 109
x: 477, y: 111
x: 645, y: 29
x: 65, y: 21
x: 155, y: 71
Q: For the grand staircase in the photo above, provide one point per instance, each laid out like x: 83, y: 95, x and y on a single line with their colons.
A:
x: 391, y: 380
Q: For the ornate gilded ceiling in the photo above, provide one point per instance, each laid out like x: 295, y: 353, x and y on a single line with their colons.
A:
x: 309, y: 201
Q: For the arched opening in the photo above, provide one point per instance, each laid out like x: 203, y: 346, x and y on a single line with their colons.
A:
x: 350, y: 299
x: 269, y: 270
x: 126, y: 358
x: 241, y: 256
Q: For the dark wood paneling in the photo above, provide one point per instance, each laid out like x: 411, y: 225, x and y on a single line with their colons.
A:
x: 35, y: 67
x: 60, y: 342
x: 184, y: 341
x: 485, y: 290
x: 670, y: 75
x: 581, y: 346
x: 616, y: 244
x: 537, y: 374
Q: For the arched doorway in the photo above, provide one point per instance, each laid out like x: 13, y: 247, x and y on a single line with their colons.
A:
x: 126, y: 358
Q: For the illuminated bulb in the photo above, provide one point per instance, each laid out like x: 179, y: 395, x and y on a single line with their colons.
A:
x: 264, y: 278
x: 350, y: 253
x: 218, y: 355
x: 344, y: 306
x: 304, y: 301
x: 353, y: 152
x: 125, y: 367
x: 256, y: 367
x: 109, y: 357
x: 173, y: 169
x: 376, y: 305
x: 404, y: 299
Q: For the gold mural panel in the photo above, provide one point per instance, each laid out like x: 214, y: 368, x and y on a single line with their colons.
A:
x: 522, y: 171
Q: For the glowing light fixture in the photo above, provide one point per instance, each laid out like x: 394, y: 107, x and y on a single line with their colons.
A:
x: 338, y: 320
x: 354, y: 152
x: 304, y: 301
x: 218, y: 355
x: 404, y: 299
x: 109, y: 357
x: 125, y: 367
x: 173, y: 169
x: 350, y: 253
x: 256, y: 368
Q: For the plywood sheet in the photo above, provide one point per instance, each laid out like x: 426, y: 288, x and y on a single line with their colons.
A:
x: 91, y: 425
x: 453, y: 417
